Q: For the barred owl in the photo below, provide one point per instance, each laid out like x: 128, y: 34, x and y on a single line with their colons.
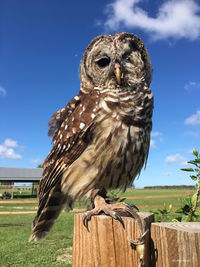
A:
x: 101, y: 138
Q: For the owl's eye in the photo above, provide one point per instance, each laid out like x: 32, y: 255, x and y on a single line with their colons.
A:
x: 126, y: 56
x: 103, y: 62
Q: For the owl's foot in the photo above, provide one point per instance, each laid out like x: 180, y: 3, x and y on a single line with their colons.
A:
x: 114, y: 210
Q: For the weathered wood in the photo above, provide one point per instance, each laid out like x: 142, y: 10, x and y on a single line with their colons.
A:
x: 12, y: 191
x: 107, y: 242
x: 175, y: 244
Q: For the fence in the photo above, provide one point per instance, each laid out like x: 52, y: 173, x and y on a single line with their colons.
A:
x: 107, y: 244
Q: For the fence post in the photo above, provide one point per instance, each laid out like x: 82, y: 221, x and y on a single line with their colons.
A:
x: 12, y: 191
x: 106, y: 243
x: 175, y: 244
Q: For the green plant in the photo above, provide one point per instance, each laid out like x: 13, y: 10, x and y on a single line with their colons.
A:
x: 185, y: 213
x: 164, y: 214
x: 115, y: 196
x: 189, y: 209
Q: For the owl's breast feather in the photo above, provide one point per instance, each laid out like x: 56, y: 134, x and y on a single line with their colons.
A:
x: 113, y: 159
x: 118, y: 149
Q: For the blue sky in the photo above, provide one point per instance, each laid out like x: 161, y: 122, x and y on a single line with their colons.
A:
x: 42, y: 43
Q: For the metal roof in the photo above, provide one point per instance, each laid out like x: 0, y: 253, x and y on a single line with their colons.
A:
x: 20, y: 174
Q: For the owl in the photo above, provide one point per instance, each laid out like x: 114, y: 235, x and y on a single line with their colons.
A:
x: 101, y: 138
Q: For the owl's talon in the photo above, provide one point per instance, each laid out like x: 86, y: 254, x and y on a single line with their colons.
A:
x: 114, y: 210
x: 85, y: 221
x: 119, y: 218
x: 142, y: 237
x: 132, y: 206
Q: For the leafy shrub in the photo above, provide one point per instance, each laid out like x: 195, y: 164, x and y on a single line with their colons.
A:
x: 188, y: 212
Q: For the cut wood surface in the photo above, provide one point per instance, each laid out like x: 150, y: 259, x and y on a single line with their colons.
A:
x: 175, y: 244
x: 107, y: 244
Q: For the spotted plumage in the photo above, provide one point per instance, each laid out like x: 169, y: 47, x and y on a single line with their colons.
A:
x: 101, y: 138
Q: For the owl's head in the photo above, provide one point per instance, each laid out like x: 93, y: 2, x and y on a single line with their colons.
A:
x: 116, y: 61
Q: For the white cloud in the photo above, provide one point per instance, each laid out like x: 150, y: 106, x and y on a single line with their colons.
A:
x: 175, y: 18
x: 193, y: 119
x: 36, y: 161
x: 192, y: 86
x: 175, y: 158
x: 2, y: 91
x: 7, y: 149
x: 10, y: 143
x: 152, y: 143
x: 155, y: 137
x: 156, y: 134
x: 184, y: 163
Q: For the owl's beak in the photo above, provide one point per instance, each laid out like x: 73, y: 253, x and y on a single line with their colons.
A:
x: 118, y: 73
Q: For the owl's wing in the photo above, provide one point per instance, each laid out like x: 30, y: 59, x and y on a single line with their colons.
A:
x: 70, y: 140
x: 71, y: 135
x: 61, y: 115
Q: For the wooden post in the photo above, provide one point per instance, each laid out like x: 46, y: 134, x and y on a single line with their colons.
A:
x: 175, y: 244
x: 32, y: 188
x: 107, y: 244
x: 12, y: 191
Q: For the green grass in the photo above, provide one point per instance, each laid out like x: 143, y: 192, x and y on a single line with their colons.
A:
x: 166, y: 197
x: 154, y: 192
x: 15, y: 250
x: 18, y: 207
x: 55, y: 249
x: 30, y: 206
x: 152, y: 204
x: 17, y: 192
x: 145, y: 204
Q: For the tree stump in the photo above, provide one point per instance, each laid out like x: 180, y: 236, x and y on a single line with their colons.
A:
x: 175, y: 244
x: 107, y: 244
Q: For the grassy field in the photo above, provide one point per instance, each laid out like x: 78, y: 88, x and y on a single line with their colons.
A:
x: 56, y: 248
x: 16, y: 191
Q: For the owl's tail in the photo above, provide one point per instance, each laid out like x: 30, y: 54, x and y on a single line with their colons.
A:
x: 49, y: 209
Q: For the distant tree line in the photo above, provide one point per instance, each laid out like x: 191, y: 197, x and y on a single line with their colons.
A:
x: 170, y: 187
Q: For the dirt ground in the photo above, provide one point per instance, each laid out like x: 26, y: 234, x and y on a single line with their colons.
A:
x: 33, y: 212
